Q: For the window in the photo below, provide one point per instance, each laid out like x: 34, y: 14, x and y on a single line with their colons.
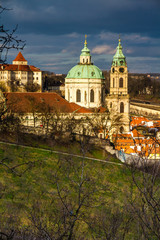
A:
x: 78, y: 96
x: 111, y: 105
x: 121, y: 107
x: 121, y: 82
x: 113, y: 82
x: 92, y: 95
x: 68, y: 95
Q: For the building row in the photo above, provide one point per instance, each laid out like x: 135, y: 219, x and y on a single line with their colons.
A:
x: 84, y: 84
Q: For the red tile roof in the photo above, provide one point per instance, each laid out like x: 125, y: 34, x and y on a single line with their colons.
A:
x: 138, y: 121
x: 14, y: 67
x: 130, y: 150
x: 79, y: 109
x: 20, y: 58
x: 136, y: 134
x: 122, y: 135
x: 102, y: 109
x: 40, y: 102
x: 155, y: 150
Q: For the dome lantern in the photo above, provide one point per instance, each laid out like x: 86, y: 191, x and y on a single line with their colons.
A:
x: 85, y: 57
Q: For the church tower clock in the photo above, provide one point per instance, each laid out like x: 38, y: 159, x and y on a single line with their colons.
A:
x: 118, y: 99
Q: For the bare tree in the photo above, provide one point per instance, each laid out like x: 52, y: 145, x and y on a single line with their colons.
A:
x: 72, y: 200
x: 145, y: 201
x: 32, y: 87
x: 8, y: 39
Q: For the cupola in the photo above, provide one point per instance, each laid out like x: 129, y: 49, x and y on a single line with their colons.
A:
x: 85, y: 57
x: 119, y: 59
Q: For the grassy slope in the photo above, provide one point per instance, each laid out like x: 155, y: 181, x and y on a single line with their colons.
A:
x: 35, y: 179
x: 36, y: 182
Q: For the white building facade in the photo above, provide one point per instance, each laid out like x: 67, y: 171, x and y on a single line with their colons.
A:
x: 20, y: 72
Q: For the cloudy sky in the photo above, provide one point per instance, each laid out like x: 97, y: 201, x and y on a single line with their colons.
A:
x: 54, y: 32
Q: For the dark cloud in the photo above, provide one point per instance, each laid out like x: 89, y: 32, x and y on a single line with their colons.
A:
x: 55, y: 29
x: 92, y: 16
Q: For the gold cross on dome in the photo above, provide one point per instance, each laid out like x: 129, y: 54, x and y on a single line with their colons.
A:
x: 85, y: 38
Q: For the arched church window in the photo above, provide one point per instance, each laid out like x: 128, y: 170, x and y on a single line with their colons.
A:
x: 92, y: 95
x: 78, y: 96
x: 87, y: 61
x: 121, y: 107
x: 68, y: 95
x: 83, y: 60
x: 121, y: 82
x: 113, y: 82
x: 111, y: 105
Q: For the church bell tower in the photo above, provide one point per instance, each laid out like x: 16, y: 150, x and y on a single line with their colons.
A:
x: 118, y: 99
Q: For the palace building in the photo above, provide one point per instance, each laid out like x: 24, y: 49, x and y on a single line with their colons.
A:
x: 20, y: 73
x: 84, y: 83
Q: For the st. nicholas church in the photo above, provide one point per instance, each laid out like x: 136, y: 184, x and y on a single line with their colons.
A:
x: 84, y: 85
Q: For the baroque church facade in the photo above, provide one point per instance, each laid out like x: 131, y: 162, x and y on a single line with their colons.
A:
x: 84, y: 85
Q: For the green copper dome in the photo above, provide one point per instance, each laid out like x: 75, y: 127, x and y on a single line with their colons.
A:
x: 85, y: 71
x: 119, y: 59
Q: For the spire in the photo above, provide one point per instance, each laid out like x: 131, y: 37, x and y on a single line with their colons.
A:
x: 119, y: 58
x: 20, y: 60
x: 20, y: 57
x: 85, y: 43
x: 119, y: 38
x: 85, y: 51
x: 85, y: 56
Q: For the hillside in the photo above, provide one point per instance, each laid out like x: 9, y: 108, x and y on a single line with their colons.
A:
x: 49, y: 196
